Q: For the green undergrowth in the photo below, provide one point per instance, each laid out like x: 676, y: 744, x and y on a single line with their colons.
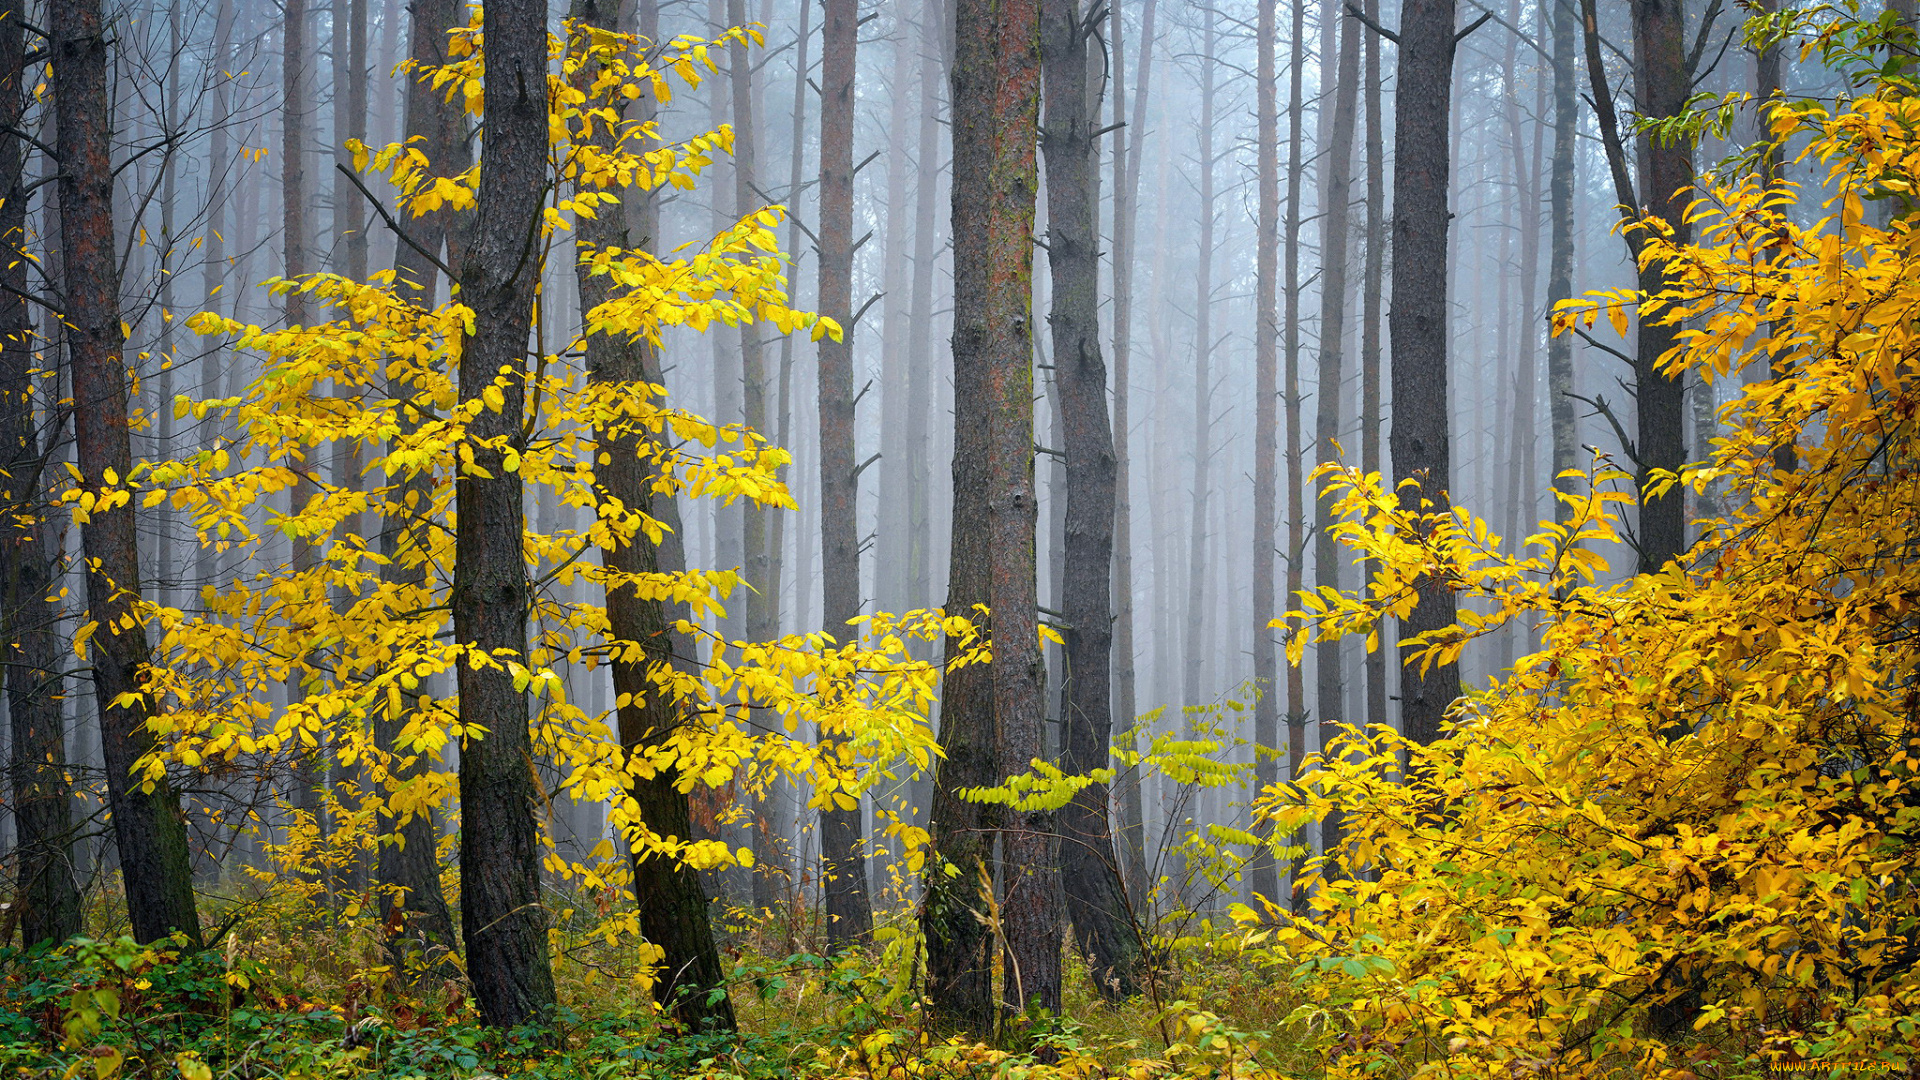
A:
x: 288, y: 993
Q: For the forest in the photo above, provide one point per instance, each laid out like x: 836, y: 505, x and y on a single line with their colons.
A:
x: 641, y: 539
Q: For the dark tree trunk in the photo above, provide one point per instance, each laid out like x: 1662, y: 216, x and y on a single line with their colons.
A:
x: 1374, y: 274
x: 501, y: 918
x: 1096, y: 897
x: 293, y: 145
x: 992, y: 717
x: 1264, y: 874
x: 673, y: 905
x: 849, y: 918
x: 1421, y: 441
x: 995, y: 182
x: 763, y: 603
x: 149, y: 832
x: 1662, y: 85
x: 45, y: 898
x: 1338, y: 197
x: 1126, y: 190
x: 1296, y: 478
x: 1566, y: 120
x: 408, y: 868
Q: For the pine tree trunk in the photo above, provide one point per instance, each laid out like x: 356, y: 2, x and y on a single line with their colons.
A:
x: 1264, y: 875
x: 1095, y: 895
x: 46, y: 901
x: 1417, y: 324
x: 992, y: 717
x: 1566, y: 121
x: 1372, y: 285
x: 1197, y: 592
x: 1127, y: 145
x: 1334, y: 215
x: 149, y: 832
x: 1296, y: 478
x: 849, y: 918
x: 502, y: 920
x: 673, y: 905
x: 417, y: 918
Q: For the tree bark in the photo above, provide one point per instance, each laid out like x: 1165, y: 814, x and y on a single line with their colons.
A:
x: 1373, y: 278
x: 1662, y: 84
x: 408, y: 867
x: 1126, y: 190
x: 1090, y: 869
x: 1334, y: 216
x: 501, y: 918
x: 992, y: 717
x: 1264, y: 874
x: 673, y: 906
x: 1296, y: 478
x: 1566, y: 120
x: 844, y: 870
x: 45, y: 897
x: 1197, y: 596
x: 149, y: 832
x: 1417, y: 326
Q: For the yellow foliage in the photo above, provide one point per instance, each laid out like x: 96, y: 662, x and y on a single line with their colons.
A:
x: 1707, y: 779
x: 831, y: 713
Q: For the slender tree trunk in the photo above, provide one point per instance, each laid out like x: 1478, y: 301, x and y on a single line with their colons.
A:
x: 796, y: 161
x: 849, y: 917
x: 501, y: 918
x: 1373, y: 282
x: 149, y: 832
x: 1296, y: 477
x: 891, y: 543
x: 408, y: 868
x: 1334, y: 216
x: 673, y: 906
x: 1566, y: 120
x: 1126, y: 190
x: 1197, y: 593
x: 1662, y: 86
x: 763, y: 603
x: 1264, y: 875
x: 213, y: 269
x: 45, y: 899
x: 1095, y: 894
x: 923, y: 343
x: 1417, y: 323
x: 1520, y: 477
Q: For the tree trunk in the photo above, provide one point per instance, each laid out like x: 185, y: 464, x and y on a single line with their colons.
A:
x: 992, y: 717
x: 1126, y: 191
x: 1264, y: 875
x: 1566, y: 121
x: 1373, y: 277
x: 1417, y: 326
x: 1296, y: 478
x: 45, y: 898
x: 501, y: 918
x: 1662, y: 85
x: 1096, y: 897
x: 673, y: 905
x: 1334, y: 213
x: 1197, y: 594
x: 844, y: 871
x: 149, y: 832
x: 408, y: 868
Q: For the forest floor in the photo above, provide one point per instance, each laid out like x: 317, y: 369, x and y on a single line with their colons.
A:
x: 292, y: 990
